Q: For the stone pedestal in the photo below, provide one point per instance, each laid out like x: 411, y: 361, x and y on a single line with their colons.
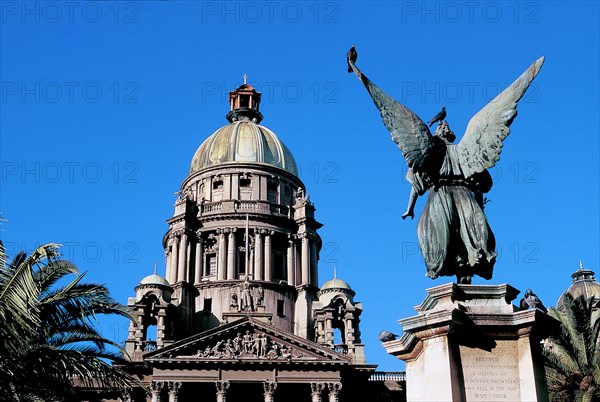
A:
x: 469, y: 343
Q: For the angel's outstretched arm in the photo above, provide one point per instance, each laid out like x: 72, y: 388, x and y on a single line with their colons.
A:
x: 412, y: 200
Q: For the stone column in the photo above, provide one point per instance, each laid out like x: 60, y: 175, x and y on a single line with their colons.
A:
x: 258, y: 256
x: 181, y: 265
x: 291, y: 266
x: 334, y: 391
x: 172, y: 277
x: 199, y: 259
x: 222, y: 261
x: 139, y: 330
x: 268, y: 256
x: 314, y: 271
x: 320, y: 332
x: 168, y: 253
x: 155, y: 388
x: 231, y: 254
x: 316, y: 389
x: 350, y: 336
x: 329, y: 338
x: 173, y: 390
x: 269, y: 387
x: 222, y: 387
x: 160, y: 328
x: 305, y: 280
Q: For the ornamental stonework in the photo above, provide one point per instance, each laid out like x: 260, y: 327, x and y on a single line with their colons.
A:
x: 250, y: 346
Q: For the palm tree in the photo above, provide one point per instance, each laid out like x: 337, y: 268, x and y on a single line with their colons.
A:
x: 48, y: 339
x: 571, y: 357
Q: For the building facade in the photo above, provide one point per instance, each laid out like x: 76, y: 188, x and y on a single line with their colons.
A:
x: 239, y: 315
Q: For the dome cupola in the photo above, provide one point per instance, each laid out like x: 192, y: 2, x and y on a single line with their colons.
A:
x: 244, y: 140
x: 584, y: 283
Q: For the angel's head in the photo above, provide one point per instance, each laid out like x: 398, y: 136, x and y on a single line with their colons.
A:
x: 443, y: 131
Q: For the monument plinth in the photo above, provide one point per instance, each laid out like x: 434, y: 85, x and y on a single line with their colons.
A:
x: 469, y: 343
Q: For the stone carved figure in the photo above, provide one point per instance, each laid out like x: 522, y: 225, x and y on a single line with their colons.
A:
x: 237, y: 343
x: 247, y: 342
x: 301, y: 198
x: 249, y: 346
x: 246, y: 296
x: 454, y: 235
x: 233, y: 302
x: 260, y: 296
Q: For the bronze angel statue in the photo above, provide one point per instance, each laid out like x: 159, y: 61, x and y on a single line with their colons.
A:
x: 454, y: 235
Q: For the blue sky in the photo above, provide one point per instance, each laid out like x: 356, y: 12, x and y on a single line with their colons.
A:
x: 103, y: 105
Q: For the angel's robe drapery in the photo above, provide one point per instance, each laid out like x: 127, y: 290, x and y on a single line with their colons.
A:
x: 453, y: 232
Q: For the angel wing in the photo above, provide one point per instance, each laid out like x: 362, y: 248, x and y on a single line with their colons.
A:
x: 481, y: 145
x: 408, y: 131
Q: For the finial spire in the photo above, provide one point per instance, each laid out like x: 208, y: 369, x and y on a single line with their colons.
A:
x: 580, y: 264
x: 154, y: 267
x: 245, y: 77
x: 334, y: 272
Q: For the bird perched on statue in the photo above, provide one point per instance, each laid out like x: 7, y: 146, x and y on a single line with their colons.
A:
x: 386, y: 336
x: 438, y: 117
x: 351, y: 56
x: 532, y: 301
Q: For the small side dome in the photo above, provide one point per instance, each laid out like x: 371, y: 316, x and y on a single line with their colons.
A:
x: 336, y: 283
x: 584, y: 283
x: 154, y: 279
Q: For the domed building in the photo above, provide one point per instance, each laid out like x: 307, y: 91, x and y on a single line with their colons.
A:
x: 584, y: 283
x: 239, y: 313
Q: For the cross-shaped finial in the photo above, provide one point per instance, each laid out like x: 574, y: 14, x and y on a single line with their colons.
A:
x: 245, y: 76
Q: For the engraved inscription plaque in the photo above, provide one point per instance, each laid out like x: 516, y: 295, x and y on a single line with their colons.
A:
x: 491, y: 376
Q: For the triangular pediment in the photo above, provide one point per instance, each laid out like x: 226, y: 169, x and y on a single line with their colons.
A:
x: 246, y: 340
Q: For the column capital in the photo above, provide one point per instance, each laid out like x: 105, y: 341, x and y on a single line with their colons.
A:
x: 221, y: 231
x: 173, y: 390
x: 307, y: 235
x: 334, y: 390
x: 269, y: 387
x: 156, y: 387
x: 222, y: 387
x: 317, y: 387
